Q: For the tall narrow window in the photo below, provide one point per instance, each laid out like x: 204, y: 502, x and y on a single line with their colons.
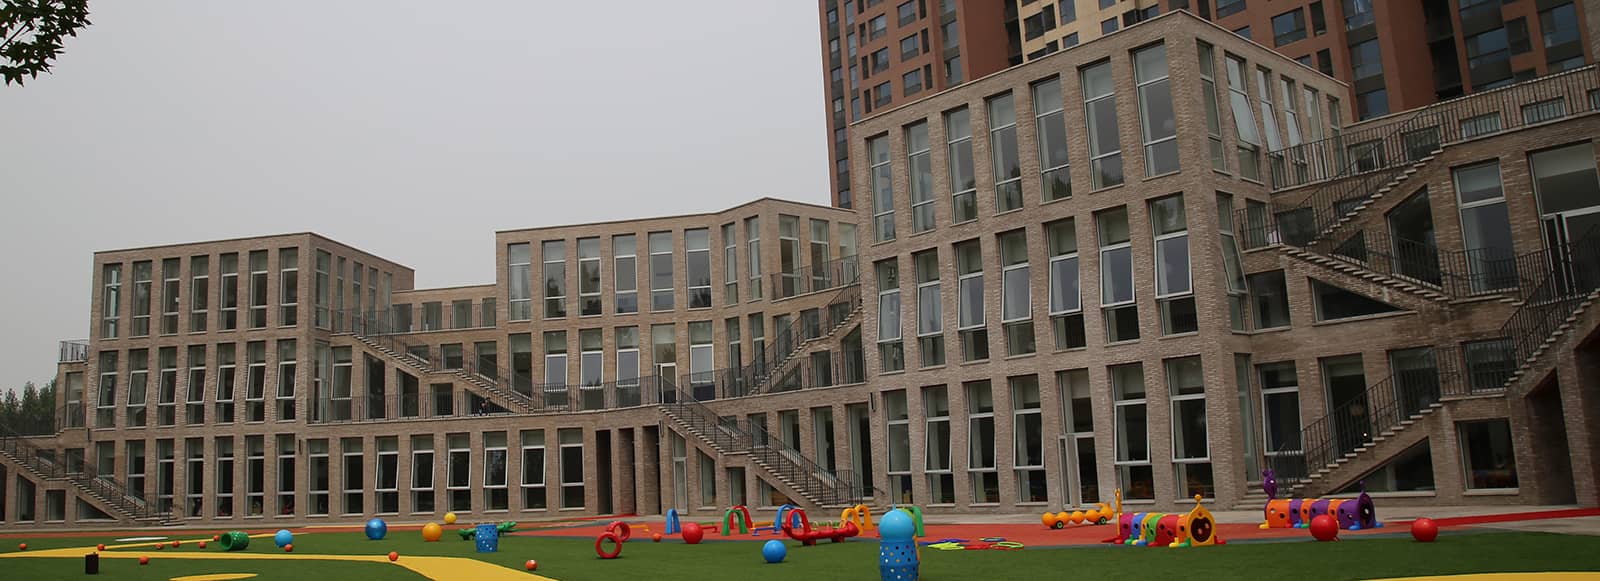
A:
x: 289, y: 285
x: 919, y: 170
x: 588, y: 276
x: 1191, y: 448
x: 752, y: 236
x: 1100, y: 112
x: 625, y: 283
x: 170, y: 282
x: 963, y: 186
x: 353, y: 464
x: 1066, y: 297
x: 591, y: 368
x: 985, y: 481
x: 882, y: 189
x: 822, y: 275
x: 1174, y: 285
x: 1244, y: 121
x: 555, y: 369
x: 1077, y: 425
x: 106, y: 392
x: 1232, y: 269
x: 422, y: 494
x: 227, y: 375
x: 1485, y: 227
x: 1156, y: 115
x: 138, y: 387
x: 627, y: 346
x: 1121, y: 314
x: 258, y: 289
x: 697, y: 267
x: 496, y: 497
x: 661, y: 295
x: 318, y: 476
x: 286, y: 380
x: 702, y: 359
x: 730, y: 265
x: 731, y: 336
x: 1016, y: 296
x: 930, y: 308
x: 1134, y: 474
x: 228, y: 293
x: 167, y: 387
x: 321, y: 291
x: 1291, y: 125
x: 788, y: 256
x: 199, y: 293
x: 1280, y: 410
x: 1269, y: 126
x: 194, y: 411
x: 1208, y: 90
x: 971, y: 322
x: 664, y: 354
x: 891, y: 351
x: 386, y: 482
x: 899, y: 444
x: 533, y: 468
x: 285, y: 445
x: 255, y: 391
x: 255, y: 475
x: 141, y: 299
x: 110, y: 300
x: 458, y: 477
x: 521, y: 362
x: 936, y: 412
x: 553, y: 253
x: 1051, y: 132
x: 1003, y: 148
x: 519, y: 273
x: 572, y: 479
x: 1027, y: 428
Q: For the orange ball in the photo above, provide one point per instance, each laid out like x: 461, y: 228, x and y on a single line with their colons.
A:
x: 202, y: 544
x: 100, y: 547
x: 176, y: 544
x: 431, y: 532
x: 289, y: 548
x: 216, y: 537
x: 655, y: 538
x: 394, y: 556
x: 531, y: 565
x: 144, y: 560
x: 160, y: 546
x: 22, y: 547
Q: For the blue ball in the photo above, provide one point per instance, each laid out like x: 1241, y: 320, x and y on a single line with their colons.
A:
x: 376, y: 529
x: 897, y: 526
x: 774, y: 551
x: 283, y: 537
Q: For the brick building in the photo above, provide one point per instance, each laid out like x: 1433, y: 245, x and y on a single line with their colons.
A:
x: 1402, y: 302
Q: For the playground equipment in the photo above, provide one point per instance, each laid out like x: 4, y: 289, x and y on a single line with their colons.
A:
x: 1196, y: 528
x: 1324, y: 528
x: 1424, y: 530
x: 774, y: 551
x: 488, y: 538
x: 859, y: 515
x: 731, y: 518
x: 377, y: 529
x: 282, y: 537
x: 431, y: 532
x: 692, y: 533
x: 1353, y: 514
x: 239, y: 540
x: 616, y: 533
x: 674, y: 524
x: 1099, y: 515
x: 897, y: 551
x: 798, y: 527
x: 449, y: 518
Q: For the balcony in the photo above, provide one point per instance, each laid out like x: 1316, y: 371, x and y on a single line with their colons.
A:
x: 74, y: 351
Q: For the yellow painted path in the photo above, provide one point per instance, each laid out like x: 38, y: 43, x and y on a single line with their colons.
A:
x: 436, y: 568
x: 1557, y: 576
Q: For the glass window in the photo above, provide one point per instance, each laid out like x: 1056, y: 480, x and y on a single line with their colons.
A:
x: 882, y: 189
x: 1066, y: 301
x: 985, y: 482
x: 661, y: 294
x: 697, y: 259
x: 963, y: 186
x: 971, y: 319
x: 1485, y: 227
x: 1100, y: 110
x: 1288, y: 27
x: 1027, y: 428
x: 625, y: 273
x: 1050, y: 124
x: 919, y: 169
x: 1116, y: 276
x: 589, y: 276
x: 1016, y: 304
x: 1003, y: 146
x: 554, y: 256
x: 891, y: 351
x: 1131, y: 432
x: 1208, y: 90
x: 930, y: 308
x: 1156, y: 115
x: 1244, y: 120
x: 1487, y: 454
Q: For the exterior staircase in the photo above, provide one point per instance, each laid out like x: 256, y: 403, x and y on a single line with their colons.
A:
x: 806, y: 481
x: 469, y: 374
x: 101, y: 491
x: 776, y: 369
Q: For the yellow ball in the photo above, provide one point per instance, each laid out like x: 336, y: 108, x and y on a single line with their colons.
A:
x: 1077, y: 517
x: 1049, y: 520
x: 431, y: 532
x: 449, y: 518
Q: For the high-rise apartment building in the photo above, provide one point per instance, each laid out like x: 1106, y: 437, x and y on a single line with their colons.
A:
x: 1394, y: 55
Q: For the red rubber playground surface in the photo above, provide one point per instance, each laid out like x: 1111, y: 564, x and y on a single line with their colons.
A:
x: 1035, y: 534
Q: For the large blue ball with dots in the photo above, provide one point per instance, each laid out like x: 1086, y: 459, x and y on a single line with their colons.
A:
x: 897, y: 526
x: 376, y: 529
x: 774, y: 551
x: 283, y: 537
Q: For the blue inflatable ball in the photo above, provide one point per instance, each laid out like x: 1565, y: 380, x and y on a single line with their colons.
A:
x: 897, y: 526
x: 774, y: 551
x: 283, y: 537
x: 376, y: 529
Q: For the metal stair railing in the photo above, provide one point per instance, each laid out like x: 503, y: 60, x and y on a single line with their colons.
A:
x: 105, y: 487
x: 1574, y: 274
x: 1356, y: 422
x: 789, y: 344
x: 816, y: 277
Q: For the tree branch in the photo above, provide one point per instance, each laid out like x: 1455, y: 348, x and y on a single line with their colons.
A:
x: 24, y: 28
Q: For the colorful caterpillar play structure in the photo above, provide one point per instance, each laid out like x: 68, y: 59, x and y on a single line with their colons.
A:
x: 1099, y: 515
x: 1196, y: 528
x: 1350, y: 513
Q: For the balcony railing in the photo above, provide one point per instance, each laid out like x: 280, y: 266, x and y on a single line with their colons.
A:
x: 372, y: 322
x: 814, y: 278
x: 74, y: 351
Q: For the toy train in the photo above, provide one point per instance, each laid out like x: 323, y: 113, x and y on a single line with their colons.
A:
x: 1353, y: 514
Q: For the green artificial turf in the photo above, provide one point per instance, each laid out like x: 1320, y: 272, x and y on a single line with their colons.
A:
x: 574, y: 559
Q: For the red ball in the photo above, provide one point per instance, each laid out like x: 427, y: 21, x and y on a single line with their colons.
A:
x: 22, y: 547
x: 1424, y: 530
x: 100, y: 547
x: 160, y: 546
x: 216, y: 537
x: 692, y: 533
x: 1324, y: 528
x: 531, y: 565
x: 202, y: 544
x: 144, y: 560
x: 656, y: 538
x: 176, y: 544
x: 289, y: 548
x: 393, y: 556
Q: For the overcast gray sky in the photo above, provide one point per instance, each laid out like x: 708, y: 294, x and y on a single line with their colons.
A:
x: 410, y: 129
